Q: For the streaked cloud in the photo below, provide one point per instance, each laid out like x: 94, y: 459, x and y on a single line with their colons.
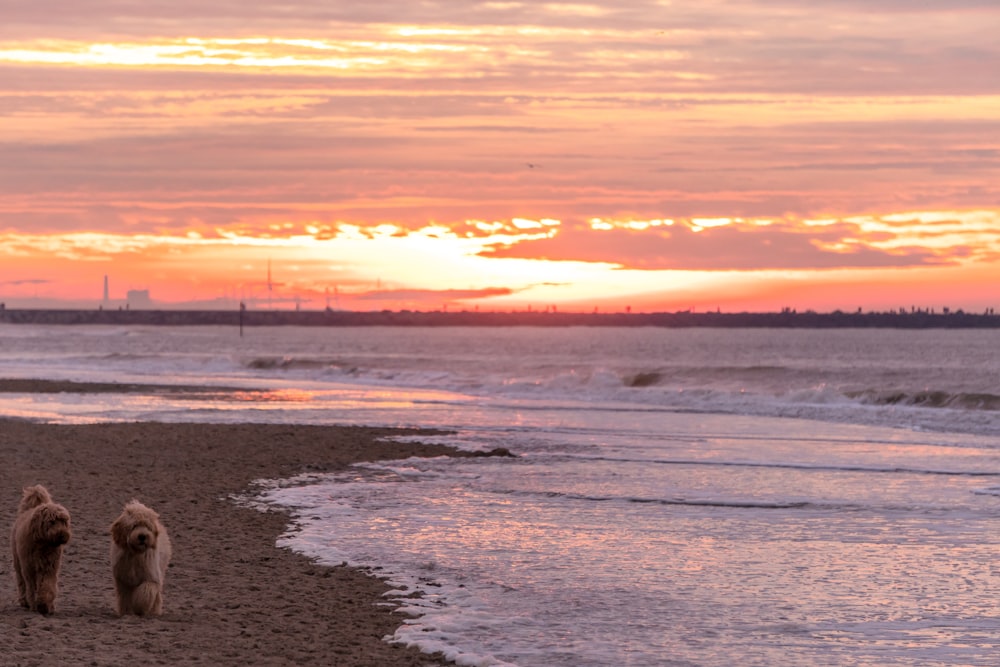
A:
x: 501, y: 131
x: 745, y: 245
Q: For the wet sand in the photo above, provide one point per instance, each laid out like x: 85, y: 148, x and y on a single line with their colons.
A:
x: 231, y: 597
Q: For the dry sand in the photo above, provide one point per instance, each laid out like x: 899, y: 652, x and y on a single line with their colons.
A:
x: 231, y: 596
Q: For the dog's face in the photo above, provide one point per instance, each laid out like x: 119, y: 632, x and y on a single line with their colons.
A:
x: 134, y: 531
x: 53, y: 524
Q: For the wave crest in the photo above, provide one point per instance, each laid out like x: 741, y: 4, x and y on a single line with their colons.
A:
x: 928, y: 399
x: 290, y: 363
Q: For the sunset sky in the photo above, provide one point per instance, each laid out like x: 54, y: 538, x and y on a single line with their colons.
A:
x: 653, y: 155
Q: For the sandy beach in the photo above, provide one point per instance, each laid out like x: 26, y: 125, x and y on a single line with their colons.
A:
x: 231, y: 596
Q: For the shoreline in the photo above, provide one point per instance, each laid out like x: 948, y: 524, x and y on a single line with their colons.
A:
x: 231, y: 596
x: 917, y: 318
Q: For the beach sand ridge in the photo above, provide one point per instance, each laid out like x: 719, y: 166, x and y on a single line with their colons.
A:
x: 231, y: 596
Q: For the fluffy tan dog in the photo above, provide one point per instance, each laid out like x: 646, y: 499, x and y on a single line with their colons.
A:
x: 140, y: 553
x: 40, y: 531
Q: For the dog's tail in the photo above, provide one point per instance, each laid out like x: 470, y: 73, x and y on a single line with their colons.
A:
x: 32, y: 497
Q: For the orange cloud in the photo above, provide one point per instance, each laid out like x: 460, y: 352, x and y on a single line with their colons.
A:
x: 727, y: 245
x: 449, y: 148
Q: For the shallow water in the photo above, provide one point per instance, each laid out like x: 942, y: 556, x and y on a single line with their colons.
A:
x: 702, y: 549
x: 696, y: 497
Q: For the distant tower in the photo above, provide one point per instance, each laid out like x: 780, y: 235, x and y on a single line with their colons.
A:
x: 105, y: 289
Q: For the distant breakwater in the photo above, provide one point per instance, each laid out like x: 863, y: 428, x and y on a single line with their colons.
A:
x: 335, y: 318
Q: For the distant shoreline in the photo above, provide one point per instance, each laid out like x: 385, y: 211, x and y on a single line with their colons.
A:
x: 920, y: 319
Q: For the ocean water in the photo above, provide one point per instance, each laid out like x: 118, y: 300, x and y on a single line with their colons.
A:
x: 679, y: 497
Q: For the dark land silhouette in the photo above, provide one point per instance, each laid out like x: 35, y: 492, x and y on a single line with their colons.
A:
x: 914, y: 319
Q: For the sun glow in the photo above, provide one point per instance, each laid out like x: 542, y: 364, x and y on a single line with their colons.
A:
x: 499, y: 154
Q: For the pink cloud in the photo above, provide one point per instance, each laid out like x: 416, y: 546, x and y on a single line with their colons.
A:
x: 726, y: 248
x: 636, y: 110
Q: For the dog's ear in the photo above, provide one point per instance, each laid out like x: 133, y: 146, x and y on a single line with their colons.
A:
x: 33, y: 496
x: 120, y: 531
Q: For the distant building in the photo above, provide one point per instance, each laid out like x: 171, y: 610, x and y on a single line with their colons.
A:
x: 139, y: 298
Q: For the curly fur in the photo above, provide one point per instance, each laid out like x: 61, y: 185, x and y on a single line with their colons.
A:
x: 40, y: 531
x: 140, y: 553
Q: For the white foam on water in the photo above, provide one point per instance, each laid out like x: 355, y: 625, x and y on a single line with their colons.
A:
x: 798, y: 553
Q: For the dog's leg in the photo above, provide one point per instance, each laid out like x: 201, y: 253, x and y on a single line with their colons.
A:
x: 19, y: 578
x: 28, y: 577
x: 46, y: 588
x: 128, y: 603
x: 121, y: 600
x: 146, y: 599
x: 122, y: 606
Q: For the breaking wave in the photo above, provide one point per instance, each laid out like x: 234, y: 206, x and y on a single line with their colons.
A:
x: 927, y: 399
x: 285, y: 363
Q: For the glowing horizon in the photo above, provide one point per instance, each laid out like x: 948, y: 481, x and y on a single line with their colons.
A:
x: 655, y: 156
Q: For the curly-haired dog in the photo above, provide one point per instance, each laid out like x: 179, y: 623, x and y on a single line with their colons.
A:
x: 140, y: 553
x: 40, y: 531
